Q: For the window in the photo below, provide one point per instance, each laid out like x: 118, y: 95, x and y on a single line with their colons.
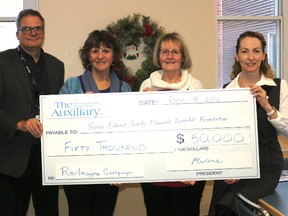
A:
x: 235, y: 17
x: 9, y: 10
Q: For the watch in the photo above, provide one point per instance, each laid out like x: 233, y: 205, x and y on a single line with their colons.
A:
x: 271, y: 112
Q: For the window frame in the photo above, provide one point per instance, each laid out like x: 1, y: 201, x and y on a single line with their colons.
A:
x: 33, y: 4
x: 282, y: 37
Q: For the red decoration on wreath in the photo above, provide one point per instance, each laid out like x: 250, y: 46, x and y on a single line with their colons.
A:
x: 147, y: 31
x: 130, y: 79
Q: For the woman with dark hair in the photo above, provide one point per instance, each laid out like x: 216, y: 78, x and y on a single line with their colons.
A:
x: 100, y: 50
x: 252, y: 70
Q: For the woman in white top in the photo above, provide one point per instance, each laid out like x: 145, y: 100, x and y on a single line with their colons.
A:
x: 172, y: 56
x: 172, y: 198
x: 252, y: 70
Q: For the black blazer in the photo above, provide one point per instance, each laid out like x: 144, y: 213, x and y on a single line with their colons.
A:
x: 16, y: 104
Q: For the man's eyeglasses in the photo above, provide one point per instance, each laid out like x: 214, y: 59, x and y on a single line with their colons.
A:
x: 28, y: 30
x: 166, y: 52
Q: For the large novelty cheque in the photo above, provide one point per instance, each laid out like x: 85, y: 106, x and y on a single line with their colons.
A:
x: 149, y: 136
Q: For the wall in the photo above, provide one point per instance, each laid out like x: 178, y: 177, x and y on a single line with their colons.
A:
x: 68, y: 23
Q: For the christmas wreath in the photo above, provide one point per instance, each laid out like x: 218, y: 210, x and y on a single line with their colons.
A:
x: 131, y: 31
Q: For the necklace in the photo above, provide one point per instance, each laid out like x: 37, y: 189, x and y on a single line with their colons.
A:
x: 244, y: 84
x: 101, y: 82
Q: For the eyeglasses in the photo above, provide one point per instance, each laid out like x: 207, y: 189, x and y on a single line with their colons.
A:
x: 166, y: 52
x: 27, y: 30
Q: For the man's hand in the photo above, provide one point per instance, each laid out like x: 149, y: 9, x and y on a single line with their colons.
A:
x: 33, y: 126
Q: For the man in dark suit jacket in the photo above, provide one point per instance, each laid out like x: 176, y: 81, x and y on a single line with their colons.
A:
x: 25, y: 73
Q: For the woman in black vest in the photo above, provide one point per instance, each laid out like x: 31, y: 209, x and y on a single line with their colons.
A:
x: 252, y: 70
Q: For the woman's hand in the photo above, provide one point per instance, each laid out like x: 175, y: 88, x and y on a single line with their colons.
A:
x: 147, y: 89
x: 231, y: 181
x: 189, y: 182
x: 261, y: 97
